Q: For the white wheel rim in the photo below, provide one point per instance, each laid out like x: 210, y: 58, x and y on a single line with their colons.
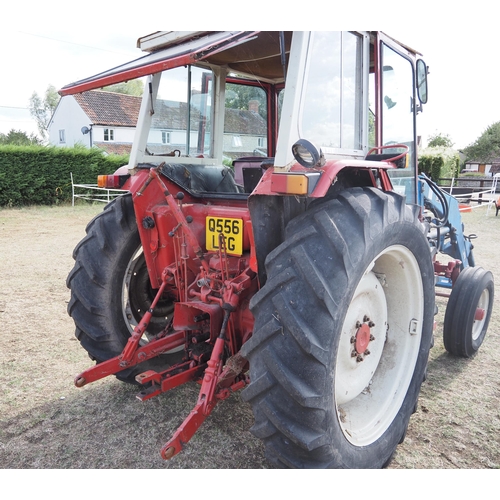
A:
x: 478, y: 324
x: 370, y: 391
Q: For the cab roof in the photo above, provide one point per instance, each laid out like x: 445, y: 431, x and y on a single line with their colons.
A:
x: 256, y: 54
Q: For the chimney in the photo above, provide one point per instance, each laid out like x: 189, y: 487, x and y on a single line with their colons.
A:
x: 253, y: 106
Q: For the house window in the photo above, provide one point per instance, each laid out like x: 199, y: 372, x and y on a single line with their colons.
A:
x: 62, y: 136
x: 165, y: 137
x: 109, y: 134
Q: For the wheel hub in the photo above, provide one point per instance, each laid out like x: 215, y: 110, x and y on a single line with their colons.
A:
x: 362, y: 338
x: 359, y: 351
x: 480, y: 314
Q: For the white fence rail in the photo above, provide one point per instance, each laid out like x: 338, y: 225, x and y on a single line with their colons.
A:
x: 93, y: 192
x: 488, y: 196
x: 482, y: 191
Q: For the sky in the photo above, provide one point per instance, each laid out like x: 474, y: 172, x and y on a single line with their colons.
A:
x: 41, y: 43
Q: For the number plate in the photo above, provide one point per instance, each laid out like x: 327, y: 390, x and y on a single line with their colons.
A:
x: 232, y: 229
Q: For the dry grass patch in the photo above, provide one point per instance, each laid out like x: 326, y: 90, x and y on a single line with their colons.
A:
x: 45, y: 422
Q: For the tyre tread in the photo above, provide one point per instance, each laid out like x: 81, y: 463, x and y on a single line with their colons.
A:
x: 289, y: 345
x: 99, y: 326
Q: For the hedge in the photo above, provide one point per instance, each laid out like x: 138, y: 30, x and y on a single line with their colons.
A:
x: 439, y: 162
x: 39, y: 175
x: 431, y: 166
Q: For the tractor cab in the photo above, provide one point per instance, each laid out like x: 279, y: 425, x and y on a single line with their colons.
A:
x: 217, y: 99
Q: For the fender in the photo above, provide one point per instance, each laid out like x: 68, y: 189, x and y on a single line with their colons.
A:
x: 271, y: 211
x: 328, y: 175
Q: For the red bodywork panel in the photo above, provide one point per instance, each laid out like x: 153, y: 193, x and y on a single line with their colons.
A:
x: 159, y: 256
x: 328, y: 174
x: 188, y: 275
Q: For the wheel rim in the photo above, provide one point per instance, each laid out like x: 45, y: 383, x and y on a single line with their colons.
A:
x: 482, y: 305
x: 385, y: 318
x: 137, y: 296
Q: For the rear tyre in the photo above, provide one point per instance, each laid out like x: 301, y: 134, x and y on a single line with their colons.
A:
x: 343, y: 328
x: 110, y: 288
x: 468, y: 312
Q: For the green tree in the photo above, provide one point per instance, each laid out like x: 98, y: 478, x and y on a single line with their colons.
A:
x: 42, y: 109
x: 132, y: 87
x: 438, y: 139
x: 486, y: 146
x: 19, y: 138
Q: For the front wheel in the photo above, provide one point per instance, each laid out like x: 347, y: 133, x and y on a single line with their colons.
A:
x: 468, y: 312
x: 343, y: 328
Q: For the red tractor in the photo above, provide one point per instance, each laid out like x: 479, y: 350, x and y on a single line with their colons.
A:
x: 274, y: 236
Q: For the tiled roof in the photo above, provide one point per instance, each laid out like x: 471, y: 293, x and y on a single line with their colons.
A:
x: 122, y: 110
x: 110, y: 108
x: 115, y: 148
x: 243, y: 121
x: 494, y: 160
x: 172, y: 115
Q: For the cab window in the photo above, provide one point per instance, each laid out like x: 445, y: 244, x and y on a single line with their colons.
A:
x: 331, y: 105
x: 182, y: 113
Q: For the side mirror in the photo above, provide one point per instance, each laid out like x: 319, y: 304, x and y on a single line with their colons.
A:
x: 307, y: 154
x: 422, y: 81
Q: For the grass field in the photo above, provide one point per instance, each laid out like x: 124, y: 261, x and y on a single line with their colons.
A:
x: 45, y: 422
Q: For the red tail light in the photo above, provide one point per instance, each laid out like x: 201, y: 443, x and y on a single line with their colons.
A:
x: 111, y: 181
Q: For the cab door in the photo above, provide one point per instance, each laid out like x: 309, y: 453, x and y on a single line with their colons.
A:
x: 396, y: 108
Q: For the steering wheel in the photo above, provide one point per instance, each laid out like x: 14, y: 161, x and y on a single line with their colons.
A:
x: 391, y: 146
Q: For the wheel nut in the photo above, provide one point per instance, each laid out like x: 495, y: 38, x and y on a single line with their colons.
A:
x: 354, y: 354
x: 359, y: 359
x: 367, y: 353
x: 371, y: 324
x: 353, y: 339
x: 366, y: 319
x: 372, y: 338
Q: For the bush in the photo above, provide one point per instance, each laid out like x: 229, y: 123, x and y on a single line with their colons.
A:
x: 439, y: 162
x: 431, y: 166
x: 38, y: 175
